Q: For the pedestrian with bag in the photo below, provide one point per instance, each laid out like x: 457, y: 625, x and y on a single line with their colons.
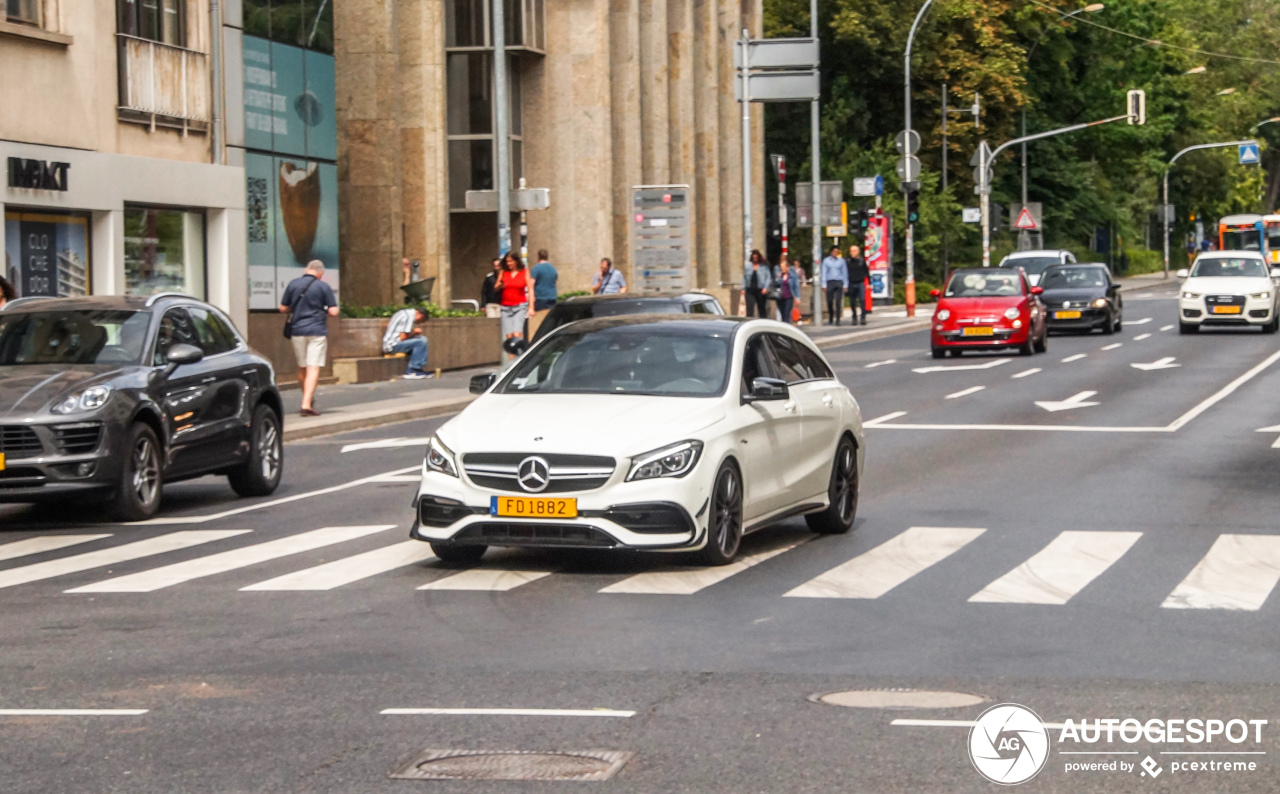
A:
x: 609, y: 281
x: 835, y: 278
x: 859, y: 275
x: 516, y: 291
x: 310, y: 303
x: 786, y: 284
x: 404, y: 335
x: 757, y: 278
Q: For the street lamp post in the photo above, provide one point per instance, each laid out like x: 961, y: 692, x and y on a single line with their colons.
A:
x: 909, y: 286
x: 815, y: 128
x: 1169, y: 168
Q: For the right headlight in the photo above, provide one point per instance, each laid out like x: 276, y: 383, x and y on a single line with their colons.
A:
x: 1190, y: 295
x: 676, y: 460
x: 943, y: 314
x: 440, y: 458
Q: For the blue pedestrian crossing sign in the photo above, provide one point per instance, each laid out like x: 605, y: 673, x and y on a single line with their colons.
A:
x: 1249, y: 153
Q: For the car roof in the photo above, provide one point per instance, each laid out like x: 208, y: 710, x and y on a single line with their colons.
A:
x: 100, y: 302
x: 1038, y: 253
x: 1069, y: 265
x: 1229, y: 255
x: 686, y: 297
x: 1010, y: 270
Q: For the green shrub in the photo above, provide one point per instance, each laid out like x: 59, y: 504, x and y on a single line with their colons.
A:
x: 923, y: 288
x: 574, y: 294
x: 1143, y: 261
x: 432, y: 311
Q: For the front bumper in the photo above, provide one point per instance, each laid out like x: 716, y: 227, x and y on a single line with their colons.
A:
x: 1089, y: 319
x: 1253, y: 311
x: 42, y: 462
x: 952, y: 336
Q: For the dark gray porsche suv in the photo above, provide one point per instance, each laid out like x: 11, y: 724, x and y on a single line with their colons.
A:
x: 106, y: 398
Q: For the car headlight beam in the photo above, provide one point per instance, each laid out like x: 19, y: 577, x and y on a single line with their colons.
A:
x: 1100, y: 303
x: 440, y: 458
x: 675, y: 460
x: 91, y: 399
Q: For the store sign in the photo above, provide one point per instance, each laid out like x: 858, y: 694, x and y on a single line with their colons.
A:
x: 37, y: 174
x: 661, y: 250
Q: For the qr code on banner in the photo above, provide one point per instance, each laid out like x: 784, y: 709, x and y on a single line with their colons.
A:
x: 258, y: 210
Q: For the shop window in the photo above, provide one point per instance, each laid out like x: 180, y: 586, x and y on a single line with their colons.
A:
x: 47, y: 254
x: 163, y: 251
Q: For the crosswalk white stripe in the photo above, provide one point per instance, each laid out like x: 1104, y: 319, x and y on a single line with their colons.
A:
x: 1239, y: 572
x: 168, y: 575
x: 1060, y: 570
x: 116, y: 554
x: 350, y: 569
x: 492, y: 579
x: 23, y: 548
x: 691, y: 580
x: 876, y: 572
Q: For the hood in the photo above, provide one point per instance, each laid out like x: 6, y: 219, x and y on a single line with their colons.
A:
x: 970, y: 307
x: 584, y: 424
x: 1228, y: 285
x: 1082, y: 294
x: 26, y: 389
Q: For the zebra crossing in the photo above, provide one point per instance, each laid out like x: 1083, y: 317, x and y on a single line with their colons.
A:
x: 1238, y: 572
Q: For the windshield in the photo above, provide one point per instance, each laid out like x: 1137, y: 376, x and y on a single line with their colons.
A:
x: 984, y: 284
x: 1073, y: 278
x: 1242, y: 240
x: 1218, y: 267
x: 570, y: 312
x: 1032, y: 264
x: 73, y: 337
x: 630, y: 359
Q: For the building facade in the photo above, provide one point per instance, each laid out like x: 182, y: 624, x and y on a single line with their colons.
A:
x: 606, y: 95
x: 115, y: 179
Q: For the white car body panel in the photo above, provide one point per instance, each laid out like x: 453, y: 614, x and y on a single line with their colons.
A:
x: 1228, y: 285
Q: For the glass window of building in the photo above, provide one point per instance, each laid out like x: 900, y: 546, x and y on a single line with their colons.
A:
x: 155, y: 20
x: 24, y: 12
x: 46, y: 253
x: 302, y: 23
x: 163, y: 251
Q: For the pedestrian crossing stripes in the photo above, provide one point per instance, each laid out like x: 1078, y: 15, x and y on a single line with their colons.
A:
x: 1238, y: 572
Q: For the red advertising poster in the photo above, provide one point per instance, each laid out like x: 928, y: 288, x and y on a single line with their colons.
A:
x: 878, y: 247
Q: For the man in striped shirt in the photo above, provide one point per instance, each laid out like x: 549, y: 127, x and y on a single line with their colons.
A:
x: 403, y: 336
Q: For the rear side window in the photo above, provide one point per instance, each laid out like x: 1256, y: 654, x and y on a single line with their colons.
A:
x: 213, y: 332
x: 796, y: 361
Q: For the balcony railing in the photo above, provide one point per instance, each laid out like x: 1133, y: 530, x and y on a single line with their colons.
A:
x: 163, y: 85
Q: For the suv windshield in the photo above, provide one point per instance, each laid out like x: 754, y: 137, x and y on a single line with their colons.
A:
x: 1219, y: 266
x: 1073, y: 278
x: 1032, y: 264
x: 628, y: 359
x: 984, y: 284
x: 73, y: 337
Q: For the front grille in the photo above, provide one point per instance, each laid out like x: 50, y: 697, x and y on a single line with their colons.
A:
x: 499, y: 471
x: 17, y: 441
x: 21, y: 477
x: 77, y: 439
x: 1224, y: 300
x: 509, y: 533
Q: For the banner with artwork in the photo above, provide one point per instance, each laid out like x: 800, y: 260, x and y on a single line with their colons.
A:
x: 879, y: 252
x: 47, y: 254
x: 292, y: 209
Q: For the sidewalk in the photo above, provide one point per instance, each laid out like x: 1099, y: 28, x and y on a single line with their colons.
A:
x: 883, y: 321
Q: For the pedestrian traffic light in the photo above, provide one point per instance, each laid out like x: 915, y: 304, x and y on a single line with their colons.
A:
x: 913, y: 206
x: 863, y: 220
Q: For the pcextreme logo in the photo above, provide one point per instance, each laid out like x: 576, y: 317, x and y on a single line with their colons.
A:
x: 1009, y: 744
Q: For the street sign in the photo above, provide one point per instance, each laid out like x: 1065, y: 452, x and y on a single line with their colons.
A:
x: 779, y: 167
x: 661, y: 249
x: 532, y: 198
x: 1249, y: 153
x: 909, y: 168
x: 977, y: 176
x: 911, y: 143
x: 879, y: 185
x: 832, y: 194
x: 842, y: 228
x: 975, y: 160
x: 1025, y: 222
x: 778, y: 54
x: 971, y: 214
x: 1170, y: 213
x: 804, y: 216
x: 1034, y: 210
x: 864, y: 186
x: 780, y: 86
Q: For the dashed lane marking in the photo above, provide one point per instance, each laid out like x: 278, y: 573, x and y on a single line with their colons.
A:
x: 514, y: 712
x: 882, y: 363
x: 1027, y: 372
x: 1143, y: 321
x: 886, y: 418
x: 1060, y: 570
x: 1166, y: 328
x: 1076, y: 357
x: 1113, y: 346
x: 1140, y: 337
x: 995, y: 362
x: 965, y: 392
x: 874, y: 573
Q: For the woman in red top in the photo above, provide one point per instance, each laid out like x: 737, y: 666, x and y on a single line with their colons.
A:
x: 516, y: 291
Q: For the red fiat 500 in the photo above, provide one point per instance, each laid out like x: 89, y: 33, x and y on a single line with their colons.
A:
x: 988, y: 309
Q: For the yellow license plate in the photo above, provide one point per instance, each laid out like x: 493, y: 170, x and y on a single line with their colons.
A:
x: 979, y: 330
x: 1066, y: 315
x: 1226, y: 309
x: 1, y: 461
x: 532, y: 507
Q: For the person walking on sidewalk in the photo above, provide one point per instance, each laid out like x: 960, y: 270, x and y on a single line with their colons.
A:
x: 757, y: 277
x: 786, y: 280
x: 545, y: 293
x: 311, y: 303
x: 858, y: 277
x: 835, y: 278
x: 404, y: 335
x: 516, y: 289
x: 609, y: 281
x: 489, y: 296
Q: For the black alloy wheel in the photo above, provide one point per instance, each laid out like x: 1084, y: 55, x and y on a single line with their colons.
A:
x: 840, y: 513
x: 259, y: 475
x: 724, y: 525
x: 1109, y: 327
x: 138, y: 492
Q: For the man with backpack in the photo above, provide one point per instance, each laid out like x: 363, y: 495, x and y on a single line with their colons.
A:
x: 310, y: 303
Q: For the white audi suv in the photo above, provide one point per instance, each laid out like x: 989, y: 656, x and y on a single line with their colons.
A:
x: 658, y: 432
x: 1228, y: 288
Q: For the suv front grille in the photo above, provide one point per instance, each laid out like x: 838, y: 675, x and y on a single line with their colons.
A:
x: 500, y: 471
x: 1224, y: 300
x: 19, y: 442
x: 77, y: 439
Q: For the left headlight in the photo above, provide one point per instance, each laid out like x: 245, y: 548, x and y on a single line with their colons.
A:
x: 440, y: 458
x: 676, y: 460
x: 1100, y: 303
x: 90, y: 399
x: 1012, y: 314
x: 1261, y: 295
x: 1190, y: 295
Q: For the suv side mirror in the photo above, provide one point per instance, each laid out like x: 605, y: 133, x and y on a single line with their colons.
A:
x: 1182, y: 273
x: 481, y: 383
x: 763, y: 389
x: 177, y: 356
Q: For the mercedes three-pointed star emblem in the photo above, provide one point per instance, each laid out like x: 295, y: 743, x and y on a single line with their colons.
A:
x: 533, y: 474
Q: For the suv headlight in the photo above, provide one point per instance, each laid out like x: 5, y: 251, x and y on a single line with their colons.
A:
x: 1012, y: 313
x: 1261, y: 295
x: 1190, y: 295
x: 440, y: 458
x: 676, y: 460
x: 90, y: 399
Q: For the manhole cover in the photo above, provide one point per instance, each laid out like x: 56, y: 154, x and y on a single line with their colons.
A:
x: 513, y: 765
x: 899, y: 699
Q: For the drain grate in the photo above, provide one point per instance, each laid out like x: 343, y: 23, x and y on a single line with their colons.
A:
x: 513, y: 765
x: 898, y: 699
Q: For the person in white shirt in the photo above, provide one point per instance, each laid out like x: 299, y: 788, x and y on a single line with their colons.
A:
x: 404, y: 336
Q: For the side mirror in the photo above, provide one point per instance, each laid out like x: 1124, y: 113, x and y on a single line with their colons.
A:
x: 515, y: 345
x: 1183, y: 273
x: 481, y: 383
x: 935, y: 293
x: 179, y: 355
x: 763, y: 389
x: 1037, y: 290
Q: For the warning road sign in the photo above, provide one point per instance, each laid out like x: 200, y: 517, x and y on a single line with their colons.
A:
x: 1025, y: 221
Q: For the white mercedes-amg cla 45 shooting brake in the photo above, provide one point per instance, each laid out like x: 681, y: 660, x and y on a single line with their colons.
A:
x: 658, y: 432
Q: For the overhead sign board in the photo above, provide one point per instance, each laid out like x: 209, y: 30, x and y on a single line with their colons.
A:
x: 778, y: 54
x: 661, y: 246
x: 1249, y: 153
x: 780, y: 86
x: 971, y: 215
x: 864, y: 186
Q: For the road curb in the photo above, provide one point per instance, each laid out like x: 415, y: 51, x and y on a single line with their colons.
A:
x: 361, y: 421
x: 873, y: 333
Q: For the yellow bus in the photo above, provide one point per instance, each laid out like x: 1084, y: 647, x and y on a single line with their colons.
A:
x: 1243, y: 233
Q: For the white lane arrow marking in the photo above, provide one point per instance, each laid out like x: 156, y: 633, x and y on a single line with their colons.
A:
x: 1164, y: 363
x: 882, y: 363
x: 386, y: 443
x: 1074, y: 401
x: 1272, y: 429
x: 995, y: 362
x: 1138, y: 322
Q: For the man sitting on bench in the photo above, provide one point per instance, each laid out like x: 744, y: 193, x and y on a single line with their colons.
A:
x: 405, y: 336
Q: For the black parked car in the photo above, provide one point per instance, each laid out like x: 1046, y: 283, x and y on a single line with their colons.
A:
x: 588, y: 306
x: 1081, y: 298
x: 106, y: 398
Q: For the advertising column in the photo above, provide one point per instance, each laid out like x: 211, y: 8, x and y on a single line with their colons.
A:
x: 878, y: 252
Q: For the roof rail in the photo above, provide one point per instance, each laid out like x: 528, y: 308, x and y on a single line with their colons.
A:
x: 151, y: 299
x: 27, y: 299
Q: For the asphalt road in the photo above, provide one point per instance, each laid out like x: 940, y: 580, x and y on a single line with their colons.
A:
x: 1114, y: 559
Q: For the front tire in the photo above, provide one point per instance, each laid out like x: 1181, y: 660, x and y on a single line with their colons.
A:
x: 1109, y: 327
x: 141, y: 477
x: 938, y: 352
x: 842, y: 492
x: 458, y: 555
x: 1271, y: 327
x: 724, y: 524
x: 259, y: 475
x: 1043, y: 345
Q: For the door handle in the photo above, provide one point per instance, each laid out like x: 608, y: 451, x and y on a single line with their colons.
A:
x: 827, y: 400
x: 209, y: 379
x: 789, y: 406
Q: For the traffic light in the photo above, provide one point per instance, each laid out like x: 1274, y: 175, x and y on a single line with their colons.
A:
x: 863, y: 220
x: 913, y: 206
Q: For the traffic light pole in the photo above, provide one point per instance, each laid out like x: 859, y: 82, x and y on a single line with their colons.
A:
x: 909, y: 286
x: 1168, y: 168
x: 815, y: 124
